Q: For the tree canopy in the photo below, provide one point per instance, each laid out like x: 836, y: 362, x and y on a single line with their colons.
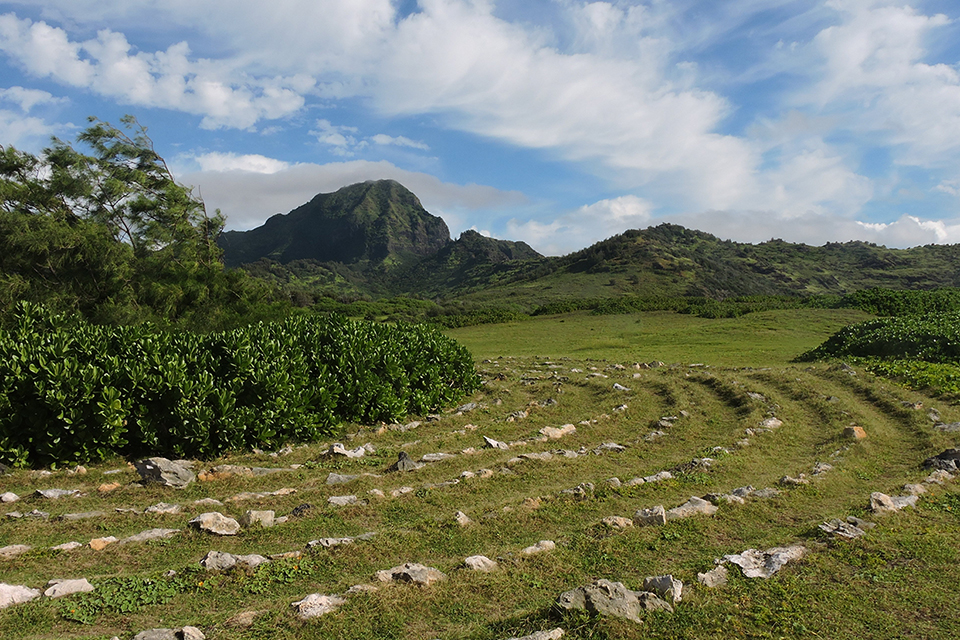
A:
x: 105, y: 229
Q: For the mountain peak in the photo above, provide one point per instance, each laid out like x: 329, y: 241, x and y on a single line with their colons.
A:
x: 377, y: 223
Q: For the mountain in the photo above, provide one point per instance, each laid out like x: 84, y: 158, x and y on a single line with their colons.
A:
x: 372, y: 225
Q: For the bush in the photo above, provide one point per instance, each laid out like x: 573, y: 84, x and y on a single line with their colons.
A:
x: 75, y: 392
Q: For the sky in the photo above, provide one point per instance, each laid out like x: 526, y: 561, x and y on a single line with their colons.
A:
x: 555, y: 122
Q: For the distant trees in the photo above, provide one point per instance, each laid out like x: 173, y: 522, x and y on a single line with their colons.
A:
x: 109, y: 232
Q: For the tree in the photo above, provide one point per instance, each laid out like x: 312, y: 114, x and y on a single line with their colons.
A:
x: 111, y: 233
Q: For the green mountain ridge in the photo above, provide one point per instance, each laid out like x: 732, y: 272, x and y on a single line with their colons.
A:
x: 374, y: 239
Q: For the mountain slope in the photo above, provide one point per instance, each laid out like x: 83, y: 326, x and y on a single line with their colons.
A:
x: 378, y: 224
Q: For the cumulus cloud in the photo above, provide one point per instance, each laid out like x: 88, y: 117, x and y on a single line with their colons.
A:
x: 250, y: 189
x: 27, y: 99
x: 24, y: 132
x: 583, y: 226
x: 109, y: 65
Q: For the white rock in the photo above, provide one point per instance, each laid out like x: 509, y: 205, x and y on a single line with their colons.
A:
x: 12, y: 551
x: 217, y: 523
x: 652, y: 517
x: 763, y: 564
x: 462, y: 519
x: 60, y: 588
x: 667, y: 587
x: 342, y: 501
x: 693, y: 506
x: 716, y: 577
x: 11, y: 594
x: 540, y: 547
x: 8, y: 497
x: 163, y: 507
x: 150, y: 534
x: 317, y: 604
x: 480, y: 563
x: 436, y: 457
x: 263, y: 518
x: 67, y: 546
x: 553, y: 634
x: 555, y: 433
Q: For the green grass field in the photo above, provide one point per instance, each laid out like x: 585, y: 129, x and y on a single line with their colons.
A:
x: 898, y: 581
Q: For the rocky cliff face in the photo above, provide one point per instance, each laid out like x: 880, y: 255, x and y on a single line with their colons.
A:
x: 375, y: 224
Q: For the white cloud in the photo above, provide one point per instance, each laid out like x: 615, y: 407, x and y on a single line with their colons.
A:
x: 582, y: 227
x: 251, y: 163
x: 340, y: 139
x: 248, y: 191
x: 108, y: 65
x: 24, y: 132
x: 27, y: 99
x: 400, y: 141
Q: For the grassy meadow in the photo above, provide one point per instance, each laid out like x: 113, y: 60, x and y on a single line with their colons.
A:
x: 899, y: 580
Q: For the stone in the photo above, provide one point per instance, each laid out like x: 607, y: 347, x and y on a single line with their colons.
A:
x: 582, y: 491
x: 262, y: 518
x: 882, y: 503
x: 948, y: 460
x: 11, y: 594
x: 337, y: 478
x: 436, y: 457
x: 659, y: 477
x: 939, y: 477
x: 164, y: 472
x: 220, y: 561
x: 716, y: 577
x: 543, y: 456
x: 56, y: 494
x: 692, y: 507
x: 652, y: 517
x: 914, y: 489
x: 771, y: 423
x: 329, y: 543
x: 789, y: 481
x: 184, y: 633
x: 337, y: 449
x: 821, y: 467
x: 743, y: 492
x: 99, y: 544
x: 604, y: 597
x: 342, y: 501
x: 9, y: 497
x: 404, y: 463
x: 613, y: 482
x: 462, y: 519
x: 763, y: 564
x: 466, y: 408
x: 667, y: 587
x: 480, y: 563
x: 67, y: 546
x: 495, y: 444
x: 617, y: 522
x: 216, y: 523
x: 540, y: 547
x: 60, y: 588
x: 396, y: 493
x: 854, y: 433
x: 316, y: 605
x: 150, y: 534
x: 553, y: 634
x: 555, y: 433
x: 768, y: 492
x: 163, y: 507
x: 411, y: 572
x: 12, y: 551
x: 86, y: 515
x: 619, y: 387
x: 842, y: 529
x: 950, y: 427
x: 208, y: 501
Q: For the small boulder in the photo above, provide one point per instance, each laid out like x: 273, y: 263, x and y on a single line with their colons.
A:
x: 316, y: 605
x: 404, y: 463
x: 854, y: 433
x: 763, y: 564
x: 60, y: 588
x: 716, y: 577
x: 342, y: 501
x: 667, y: 587
x: 336, y: 478
x: 56, y: 494
x: 262, y: 518
x: 495, y: 444
x: 12, y: 551
x: 150, y: 534
x: 604, y: 597
x: 9, y: 497
x: 164, y: 472
x: 540, y: 547
x: 99, y: 544
x: 462, y: 519
x: 553, y: 634
x: 617, y: 522
x: 216, y: 523
x: 411, y: 572
x: 11, y: 594
x: 692, y: 507
x: 652, y: 517
x: 480, y: 563
x: 555, y: 433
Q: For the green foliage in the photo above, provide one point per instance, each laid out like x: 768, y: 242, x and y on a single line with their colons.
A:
x: 934, y: 338
x: 937, y: 378
x: 128, y: 595
x: 111, y: 235
x: 898, y: 302
x: 491, y: 315
x: 74, y: 392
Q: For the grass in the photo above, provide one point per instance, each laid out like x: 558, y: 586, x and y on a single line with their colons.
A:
x: 898, y: 581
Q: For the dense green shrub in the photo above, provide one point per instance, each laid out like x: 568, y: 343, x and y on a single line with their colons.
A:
x: 75, y: 392
x: 891, y: 302
x: 934, y: 338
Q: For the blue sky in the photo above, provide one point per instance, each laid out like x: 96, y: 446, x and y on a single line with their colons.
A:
x: 556, y: 122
